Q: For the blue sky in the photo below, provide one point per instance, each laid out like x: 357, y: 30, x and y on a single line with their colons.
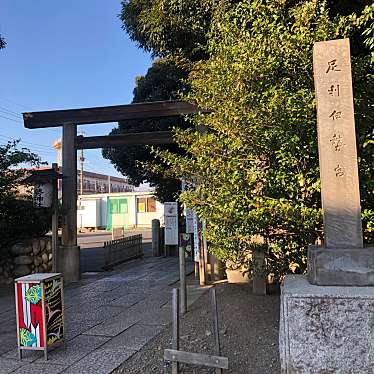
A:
x: 61, y: 55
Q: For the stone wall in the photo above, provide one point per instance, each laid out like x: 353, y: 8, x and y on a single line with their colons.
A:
x: 27, y: 257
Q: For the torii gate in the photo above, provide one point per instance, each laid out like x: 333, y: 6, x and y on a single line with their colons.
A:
x: 68, y: 119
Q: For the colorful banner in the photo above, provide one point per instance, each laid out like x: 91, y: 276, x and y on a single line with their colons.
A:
x: 53, y: 315
x: 30, y: 315
x: 196, y: 225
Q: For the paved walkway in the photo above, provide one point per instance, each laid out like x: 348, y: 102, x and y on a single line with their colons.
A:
x: 108, y: 317
x: 92, y: 251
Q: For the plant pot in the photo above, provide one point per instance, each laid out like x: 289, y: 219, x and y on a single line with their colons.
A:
x: 237, y: 276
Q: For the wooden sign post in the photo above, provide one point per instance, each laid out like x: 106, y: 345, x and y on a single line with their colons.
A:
x: 176, y: 356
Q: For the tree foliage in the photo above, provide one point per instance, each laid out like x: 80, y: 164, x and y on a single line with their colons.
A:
x: 167, y: 28
x: 179, y: 31
x: 18, y: 218
x: 2, y: 42
x: 257, y: 166
x: 181, y: 27
x: 163, y: 81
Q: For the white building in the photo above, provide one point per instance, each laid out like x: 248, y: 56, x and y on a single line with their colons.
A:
x: 94, y: 183
x: 125, y: 209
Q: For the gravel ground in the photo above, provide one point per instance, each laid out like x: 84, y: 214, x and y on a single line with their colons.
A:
x: 248, y: 331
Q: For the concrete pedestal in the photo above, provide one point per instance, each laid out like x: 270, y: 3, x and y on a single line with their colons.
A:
x: 215, y: 268
x: 326, y: 329
x: 341, y: 266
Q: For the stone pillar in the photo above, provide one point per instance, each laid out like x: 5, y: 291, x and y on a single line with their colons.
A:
x: 70, y: 250
x: 337, y: 145
x: 342, y: 258
x: 259, y: 277
x: 326, y: 322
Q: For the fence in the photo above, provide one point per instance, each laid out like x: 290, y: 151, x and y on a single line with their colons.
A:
x: 120, y: 250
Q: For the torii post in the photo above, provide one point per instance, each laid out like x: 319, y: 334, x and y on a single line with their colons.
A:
x: 68, y: 119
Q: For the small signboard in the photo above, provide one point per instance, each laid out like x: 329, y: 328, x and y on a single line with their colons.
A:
x: 118, y: 233
x: 43, y: 195
x: 189, y: 221
x: 171, y: 223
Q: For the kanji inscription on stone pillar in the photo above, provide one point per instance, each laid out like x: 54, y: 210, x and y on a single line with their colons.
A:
x: 337, y: 144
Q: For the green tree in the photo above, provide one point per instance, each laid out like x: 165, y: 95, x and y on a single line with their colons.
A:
x: 18, y: 218
x: 2, y: 42
x: 179, y: 31
x: 170, y: 27
x: 163, y: 81
x: 181, y: 27
x: 258, y: 166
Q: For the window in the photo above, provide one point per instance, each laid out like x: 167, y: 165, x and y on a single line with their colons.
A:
x: 118, y: 206
x: 142, y: 205
x: 123, y: 206
x: 114, y: 207
x: 151, y: 204
x: 146, y: 204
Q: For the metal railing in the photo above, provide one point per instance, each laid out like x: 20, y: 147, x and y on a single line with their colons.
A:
x: 120, y: 250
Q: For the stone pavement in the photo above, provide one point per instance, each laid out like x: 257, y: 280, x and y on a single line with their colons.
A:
x: 108, y: 317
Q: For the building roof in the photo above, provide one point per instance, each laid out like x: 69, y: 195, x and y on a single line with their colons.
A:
x: 118, y: 194
x: 103, y: 176
x: 41, y: 174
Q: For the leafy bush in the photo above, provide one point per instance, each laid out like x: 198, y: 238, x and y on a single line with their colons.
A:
x: 18, y: 218
x: 257, y: 165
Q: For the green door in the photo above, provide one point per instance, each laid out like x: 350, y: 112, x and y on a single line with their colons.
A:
x: 118, y: 212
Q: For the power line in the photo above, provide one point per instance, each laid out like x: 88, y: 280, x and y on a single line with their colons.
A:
x: 10, y: 115
x: 97, y: 170
x: 9, y: 109
x: 13, y: 102
x: 36, y: 150
x: 39, y: 153
x: 10, y: 112
x: 18, y: 115
x: 45, y: 152
x: 11, y: 119
x: 22, y: 141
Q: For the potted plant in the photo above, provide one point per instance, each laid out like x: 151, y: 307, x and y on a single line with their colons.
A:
x: 237, y: 269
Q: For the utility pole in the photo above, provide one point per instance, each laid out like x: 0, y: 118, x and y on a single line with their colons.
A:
x: 81, y: 159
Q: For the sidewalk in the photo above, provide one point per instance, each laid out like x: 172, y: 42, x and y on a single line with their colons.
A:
x: 108, y: 318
